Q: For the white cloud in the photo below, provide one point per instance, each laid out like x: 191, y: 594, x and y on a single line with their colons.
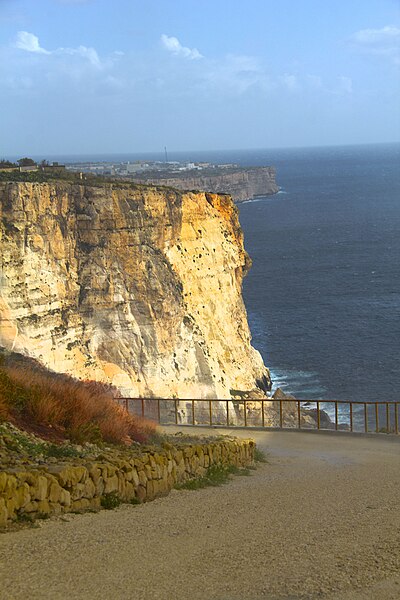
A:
x: 381, y: 42
x: 29, y: 42
x: 173, y: 45
x: 290, y: 82
x: 377, y: 36
x: 315, y: 81
x: 89, y: 54
x: 345, y: 85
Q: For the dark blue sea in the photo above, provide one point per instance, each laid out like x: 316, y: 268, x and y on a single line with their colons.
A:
x: 323, y: 296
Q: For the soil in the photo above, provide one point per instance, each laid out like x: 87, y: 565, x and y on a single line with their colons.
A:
x: 321, y: 519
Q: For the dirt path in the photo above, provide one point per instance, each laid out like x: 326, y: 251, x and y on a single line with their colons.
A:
x: 321, y: 520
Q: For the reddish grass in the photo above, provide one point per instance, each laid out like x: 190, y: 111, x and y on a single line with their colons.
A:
x: 83, y: 410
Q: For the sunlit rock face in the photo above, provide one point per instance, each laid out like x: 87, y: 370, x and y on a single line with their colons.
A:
x: 139, y: 287
x: 242, y: 184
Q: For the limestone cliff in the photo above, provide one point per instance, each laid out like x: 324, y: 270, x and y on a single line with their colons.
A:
x: 139, y: 287
x: 240, y: 183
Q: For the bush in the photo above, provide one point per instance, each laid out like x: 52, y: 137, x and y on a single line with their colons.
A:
x: 110, y: 500
x: 84, y: 411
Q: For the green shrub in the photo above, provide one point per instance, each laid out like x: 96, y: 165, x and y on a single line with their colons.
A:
x: 62, y: 451
x: 215, y: 475
x: 110, y: 500
x: 135, y: 501
x: 260, y: 456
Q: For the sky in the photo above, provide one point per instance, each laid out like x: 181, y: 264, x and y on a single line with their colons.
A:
x: 95, y: 76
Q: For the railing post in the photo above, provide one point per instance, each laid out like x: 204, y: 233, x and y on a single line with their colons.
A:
x: 396, y: 418
x: 159, y: 410
x: 351, y: 416
x: 387, y: 418
x: 336, y: 416
x: 227, y: 413
x: 280, y: 414
x: 298, y: 414
x: 245, y: 412
x: 210, y: 408
x: 127, y: 405
x: 376, y: 418
x: 176, y: 411
x: 193, y: 421
x: 318, y: 417
x: 365, y: 417
x: 262, y: 414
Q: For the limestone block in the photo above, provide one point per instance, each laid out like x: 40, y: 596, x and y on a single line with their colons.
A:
x: 80, y: 505
x: 121, y: 485
x: 141, y: 493
x: 55, y: 508
x: 100, y: 485
x: 129, y: 491
x: 39, y: 490
x: 43, y: 507
x: 95, y: 503
x: 142, y: 478
x: 77, y: 491
x: 111, y: 485
x: 94, y: 472
x: 71, y: 475
x: 135, y: 477
x: 65, y: 498
x: 3, y: 481
x: 150, y: 489
x: 3, y: 513
x: 111, y: 470
x: 12, y: 506
x: 22, y: 495
x: 55, y: 492
x: 31, y: 507
x: 128, y: 475
x: 10, y: 486
x: 89, y: 489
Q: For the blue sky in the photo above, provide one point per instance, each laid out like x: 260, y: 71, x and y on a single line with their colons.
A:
x: 94, y: 76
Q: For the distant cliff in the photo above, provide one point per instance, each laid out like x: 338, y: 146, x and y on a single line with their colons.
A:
x: 240, y: 183
x: 139, y: 287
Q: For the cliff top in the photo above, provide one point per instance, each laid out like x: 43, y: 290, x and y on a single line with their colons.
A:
x: 75, y: 178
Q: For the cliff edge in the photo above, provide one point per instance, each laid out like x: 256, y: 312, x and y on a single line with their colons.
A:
x: 243, y: 183
x: 138, y: 287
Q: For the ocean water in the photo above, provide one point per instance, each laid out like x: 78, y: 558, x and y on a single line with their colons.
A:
x: 323, y: 295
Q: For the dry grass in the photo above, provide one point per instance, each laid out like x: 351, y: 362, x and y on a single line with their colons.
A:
x: 80, y: 410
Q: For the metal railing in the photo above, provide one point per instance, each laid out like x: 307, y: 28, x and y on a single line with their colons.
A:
x: 285, y: 413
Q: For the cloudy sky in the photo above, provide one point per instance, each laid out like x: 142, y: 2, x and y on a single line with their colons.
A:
x: 95, y: 76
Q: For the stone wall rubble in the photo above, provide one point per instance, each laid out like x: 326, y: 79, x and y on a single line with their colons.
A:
x: 73, y: 487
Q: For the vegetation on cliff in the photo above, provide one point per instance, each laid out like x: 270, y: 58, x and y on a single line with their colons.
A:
x: 59, y: 407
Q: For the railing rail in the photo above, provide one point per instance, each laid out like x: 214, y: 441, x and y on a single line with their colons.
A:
x: 270, y: 413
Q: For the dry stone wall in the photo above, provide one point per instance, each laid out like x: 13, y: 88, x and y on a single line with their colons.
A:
x: 71, y: 487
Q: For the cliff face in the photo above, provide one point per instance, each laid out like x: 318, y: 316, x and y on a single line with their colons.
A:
x: 241, y: 184
x: 137, y: 287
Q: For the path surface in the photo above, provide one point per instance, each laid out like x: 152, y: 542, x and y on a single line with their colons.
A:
x: 320, y: 520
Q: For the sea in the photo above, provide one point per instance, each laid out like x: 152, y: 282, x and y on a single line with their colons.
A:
x: 323, y: 294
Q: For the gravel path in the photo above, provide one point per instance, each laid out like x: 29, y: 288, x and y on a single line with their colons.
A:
x: 320, y: 520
